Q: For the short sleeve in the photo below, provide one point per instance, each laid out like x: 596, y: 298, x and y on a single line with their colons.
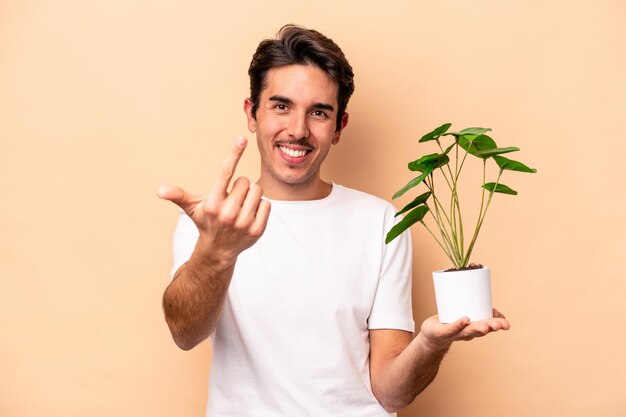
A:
x: 392, y: 307
x: 183, y: 242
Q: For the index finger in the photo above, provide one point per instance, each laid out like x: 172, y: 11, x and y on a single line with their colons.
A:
x: 227, y: 169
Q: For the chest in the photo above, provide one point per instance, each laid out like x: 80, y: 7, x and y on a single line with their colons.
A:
x: 306, y: 270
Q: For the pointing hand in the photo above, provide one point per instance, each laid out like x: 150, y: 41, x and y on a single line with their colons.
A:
x: 228, y: 223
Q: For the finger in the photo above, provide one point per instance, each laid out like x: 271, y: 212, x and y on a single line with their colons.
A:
x: 481, y: 328
x: 260, y: 221
x: 232, y: 205
x: 498, y: 314
x: 453, y: 330
x: 227, y: 169
x: 178, y: 196
x: 474, y: 329
x: 501, y: 324
x: 250, y: 205
x: 460, y: 324
x: 499, y: 321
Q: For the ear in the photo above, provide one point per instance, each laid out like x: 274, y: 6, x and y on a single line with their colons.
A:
x: 247, y: 108
x: 344, y: 123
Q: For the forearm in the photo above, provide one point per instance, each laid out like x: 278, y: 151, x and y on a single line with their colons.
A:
x: 193, y: 301
x: 401, y: 368
x: 408, y: 373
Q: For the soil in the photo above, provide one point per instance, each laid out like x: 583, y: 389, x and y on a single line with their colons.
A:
x: 470, y: 266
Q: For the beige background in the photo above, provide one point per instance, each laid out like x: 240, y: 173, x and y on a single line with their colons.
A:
x: 102, y: 101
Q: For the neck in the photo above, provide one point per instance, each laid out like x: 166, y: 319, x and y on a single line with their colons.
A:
x: 315, y: 190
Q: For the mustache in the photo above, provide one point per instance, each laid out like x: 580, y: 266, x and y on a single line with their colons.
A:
x: 303, y: 142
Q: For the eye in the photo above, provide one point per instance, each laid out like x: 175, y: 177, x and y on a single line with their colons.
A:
x: 319, y: 114
x: 281, y: 107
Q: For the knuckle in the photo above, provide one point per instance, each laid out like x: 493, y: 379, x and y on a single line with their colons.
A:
x: 211, y: 209
x: 227, y: 171
x: 240, y: 225
x: 243, y: 182
x: 228, y: 218
x: 252, y: 203
x: 240, y: 188
x: 255, y: 232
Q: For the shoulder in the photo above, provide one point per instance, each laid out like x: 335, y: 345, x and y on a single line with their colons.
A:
x: 364, y: 200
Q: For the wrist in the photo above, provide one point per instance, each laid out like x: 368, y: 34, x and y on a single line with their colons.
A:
x: 207, y: 256
x: 433, y: 346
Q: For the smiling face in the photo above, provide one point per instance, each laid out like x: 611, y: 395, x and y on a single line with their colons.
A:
x: 295, y: 125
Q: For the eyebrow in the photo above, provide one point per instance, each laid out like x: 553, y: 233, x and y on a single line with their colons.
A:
x: 287, y: 100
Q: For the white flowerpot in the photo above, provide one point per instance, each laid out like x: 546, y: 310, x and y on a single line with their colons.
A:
x: 463, y: 293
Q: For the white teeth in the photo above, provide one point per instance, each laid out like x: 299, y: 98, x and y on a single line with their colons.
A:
x: 292, y: 152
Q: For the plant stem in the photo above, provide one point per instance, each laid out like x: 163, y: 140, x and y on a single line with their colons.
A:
x: 445, y: 232
x: 445, y: 249
x: 458, y: 172
x: 482, y: 214
x: 452, y: 187
x: 451, y: 219
x: 444, y: 237
x: 437, y: 216
x: 438, y: 205
x: 447, y: 165
x: 457, y: 203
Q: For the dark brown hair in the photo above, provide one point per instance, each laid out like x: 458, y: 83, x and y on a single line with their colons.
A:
x: 297, y: 45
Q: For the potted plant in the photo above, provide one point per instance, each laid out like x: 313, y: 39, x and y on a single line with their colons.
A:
x: 464, y: 289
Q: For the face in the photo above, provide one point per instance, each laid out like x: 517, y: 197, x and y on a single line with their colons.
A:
x: 295, y: 127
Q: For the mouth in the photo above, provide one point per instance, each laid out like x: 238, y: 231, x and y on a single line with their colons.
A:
x: 293, y: 154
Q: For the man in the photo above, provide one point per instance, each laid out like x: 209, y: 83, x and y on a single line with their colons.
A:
x: 308, y: 311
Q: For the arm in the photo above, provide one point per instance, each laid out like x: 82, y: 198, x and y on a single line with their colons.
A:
x: 228, y: 223
x: 401, y: 368
x: 193, y: 301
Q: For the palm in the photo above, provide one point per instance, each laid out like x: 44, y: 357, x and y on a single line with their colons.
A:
x: 442, y: 334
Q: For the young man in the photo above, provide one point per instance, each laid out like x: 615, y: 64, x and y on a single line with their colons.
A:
x: 308, y: 311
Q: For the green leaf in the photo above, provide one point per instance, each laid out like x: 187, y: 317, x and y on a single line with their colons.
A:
x: 415, y: 181
x: 487, y: 153
x: 448, y: 149
x: 423, y: 159
x: 511, y: 165
x: 470, y: 131
x: 410, y: 219
x: 499, y: 188
x: 434, y: 161
x: 475, y: 144
x: 435, y: 134
x: 420, y: 199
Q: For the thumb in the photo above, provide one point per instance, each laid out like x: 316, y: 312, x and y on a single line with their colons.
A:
x: 178, y: 196
x: 457, y: 326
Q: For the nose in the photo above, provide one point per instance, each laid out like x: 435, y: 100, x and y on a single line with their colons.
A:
x: 298, y: 127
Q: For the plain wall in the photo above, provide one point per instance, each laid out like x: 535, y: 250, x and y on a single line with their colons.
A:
x: 102, y: 101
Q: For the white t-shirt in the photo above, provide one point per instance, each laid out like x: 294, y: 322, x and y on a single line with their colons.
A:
x: 293, y: 339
